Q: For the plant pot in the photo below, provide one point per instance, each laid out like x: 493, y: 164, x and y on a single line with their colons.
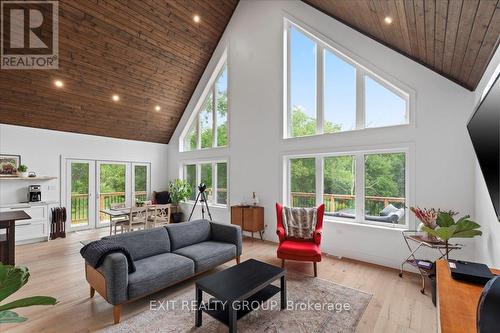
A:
x: 23, y: 174
x: 177, y: 217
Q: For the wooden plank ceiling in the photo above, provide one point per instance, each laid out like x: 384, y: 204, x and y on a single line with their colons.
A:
x: 455, y: 38
x: 149, y: 52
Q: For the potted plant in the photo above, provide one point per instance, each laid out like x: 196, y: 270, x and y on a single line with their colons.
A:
x: 448, y: 228
x: 23, y: 170
x: 11, y: 280
x: 180, y: 190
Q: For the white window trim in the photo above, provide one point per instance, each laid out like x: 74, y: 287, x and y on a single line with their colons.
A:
x: 210, y: 88
x: 324, y: 43
x: 359, y: 154
x: 213, y: 162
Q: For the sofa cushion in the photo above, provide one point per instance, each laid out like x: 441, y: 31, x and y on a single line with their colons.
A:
x: 188, y: 233
x: 207, y: 255
x: 144, y: 243
x: 158, y: 272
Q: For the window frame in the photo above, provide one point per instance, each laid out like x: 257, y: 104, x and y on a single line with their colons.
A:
x: 359, y: 157
x: 213, y: 162
x: 323, y: 44
x: 210, y: 89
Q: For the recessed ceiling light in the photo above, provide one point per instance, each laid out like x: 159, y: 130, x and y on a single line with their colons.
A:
x: 58, y: 83
x: 115, y: 98
x: 196, y: 18
x: 157, y: 108
x: 388, y: 19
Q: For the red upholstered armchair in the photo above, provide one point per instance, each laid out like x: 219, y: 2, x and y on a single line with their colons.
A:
x: 296, y: 249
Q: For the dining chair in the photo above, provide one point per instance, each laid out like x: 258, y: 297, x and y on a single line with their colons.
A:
x: 160, y: 215
x: 118, y: 221
x: 138, y: 218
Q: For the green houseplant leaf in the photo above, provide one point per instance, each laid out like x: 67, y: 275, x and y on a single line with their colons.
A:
x: 29, y: 301
x: 180, y: 190
x: 10, y: 317
x: 11, y: 280
x: 444, y: 220
x: 449, y: 228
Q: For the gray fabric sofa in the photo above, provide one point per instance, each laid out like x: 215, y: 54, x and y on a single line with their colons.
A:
x: 162, y: 257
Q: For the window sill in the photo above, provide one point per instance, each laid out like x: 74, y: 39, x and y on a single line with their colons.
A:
x: 210, y: 205
x: 397, y: 228
x: 356, y: 130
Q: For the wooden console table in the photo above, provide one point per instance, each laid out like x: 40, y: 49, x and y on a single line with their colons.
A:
x: 8, y: 240
x: 456, y: 301
x: 249, y: 218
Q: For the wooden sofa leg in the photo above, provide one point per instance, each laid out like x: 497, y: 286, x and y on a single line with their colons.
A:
x: 237, y: 260
x: 92, y: 292
x: 117, y: 311
x: 282, y: 263
x: 315, y: 269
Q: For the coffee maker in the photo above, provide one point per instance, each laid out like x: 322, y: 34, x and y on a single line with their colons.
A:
x: 34, y: 193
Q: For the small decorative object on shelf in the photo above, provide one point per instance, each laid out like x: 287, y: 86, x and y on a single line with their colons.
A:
x: 22, y: 170
x: 31, y: 174
x: 255, y: 199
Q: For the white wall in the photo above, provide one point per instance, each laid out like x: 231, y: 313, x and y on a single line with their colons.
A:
x: 443, y: 169
x: 41, y: 151
x: 487, y: 246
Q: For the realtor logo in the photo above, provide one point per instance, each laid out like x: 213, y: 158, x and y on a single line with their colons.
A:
x: 29, y: 37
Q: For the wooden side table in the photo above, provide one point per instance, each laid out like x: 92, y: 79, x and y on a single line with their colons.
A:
x: 8, y: 241
x: 249, y: 218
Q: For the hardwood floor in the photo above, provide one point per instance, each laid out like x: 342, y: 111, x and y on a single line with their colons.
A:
x: 57, y: 270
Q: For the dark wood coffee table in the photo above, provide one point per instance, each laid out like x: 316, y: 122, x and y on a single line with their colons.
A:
x: 235, y: 287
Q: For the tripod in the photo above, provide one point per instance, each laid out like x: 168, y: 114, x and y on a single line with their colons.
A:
x: 202, y: 200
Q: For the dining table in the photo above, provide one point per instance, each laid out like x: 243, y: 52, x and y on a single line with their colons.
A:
x: 115, y: 214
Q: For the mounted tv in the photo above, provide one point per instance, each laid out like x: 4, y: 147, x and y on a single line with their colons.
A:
x: 484, y: 131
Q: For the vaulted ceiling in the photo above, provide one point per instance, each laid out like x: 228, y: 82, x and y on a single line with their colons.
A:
x: 148, y: 52
x: 455, y: 38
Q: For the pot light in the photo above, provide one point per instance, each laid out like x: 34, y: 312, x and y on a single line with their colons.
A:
x: 115, y: 98
x: 196, y: 18
x: 388, y: 19
x: 58, y: 83
x: 157, y: 108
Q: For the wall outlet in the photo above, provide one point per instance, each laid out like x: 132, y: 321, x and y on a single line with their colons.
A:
x: 51, y: 187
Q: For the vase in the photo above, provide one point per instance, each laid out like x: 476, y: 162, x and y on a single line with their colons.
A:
x: 426, y: 236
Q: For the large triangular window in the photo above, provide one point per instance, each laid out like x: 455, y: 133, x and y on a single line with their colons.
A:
x: 209, y: 127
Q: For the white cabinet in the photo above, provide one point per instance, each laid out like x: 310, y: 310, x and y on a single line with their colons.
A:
x: 34, y: 229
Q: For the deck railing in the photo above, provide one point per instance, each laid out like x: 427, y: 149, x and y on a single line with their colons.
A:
x: 336, y: 202
x: 80, y: 204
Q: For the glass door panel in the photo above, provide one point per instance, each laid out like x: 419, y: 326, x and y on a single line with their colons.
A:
x: 140, y: 182
x: 80, y: 191
x: 113, y: 186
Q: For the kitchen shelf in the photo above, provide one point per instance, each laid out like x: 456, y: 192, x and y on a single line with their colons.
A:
x: 28, y: 178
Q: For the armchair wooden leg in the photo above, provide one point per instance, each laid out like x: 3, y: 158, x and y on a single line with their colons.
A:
x: 92, y: 292
x: 117, y: 311
x: 315, y: 269
x: 237, y: 260
x: 282, y: 263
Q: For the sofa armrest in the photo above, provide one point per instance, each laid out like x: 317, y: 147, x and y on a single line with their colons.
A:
x: 228, y: 233
x: 115, y: 271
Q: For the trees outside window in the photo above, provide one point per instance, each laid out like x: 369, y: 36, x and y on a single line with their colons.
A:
x: 209, y: 128
x: 341, y: 188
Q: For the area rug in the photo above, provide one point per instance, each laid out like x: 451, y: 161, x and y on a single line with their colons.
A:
x: 314, y: 305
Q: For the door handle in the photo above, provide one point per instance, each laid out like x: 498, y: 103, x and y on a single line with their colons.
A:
x: 20, y: 224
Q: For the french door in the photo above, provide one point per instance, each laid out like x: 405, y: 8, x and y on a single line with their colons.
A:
x: 94, y: 186
x: 80, y: 191
x: 113, y: 187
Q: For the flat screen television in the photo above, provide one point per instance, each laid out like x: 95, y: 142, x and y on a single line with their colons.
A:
x: 484, y: 131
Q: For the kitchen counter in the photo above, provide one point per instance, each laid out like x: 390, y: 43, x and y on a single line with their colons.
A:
x: 28, y: 204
